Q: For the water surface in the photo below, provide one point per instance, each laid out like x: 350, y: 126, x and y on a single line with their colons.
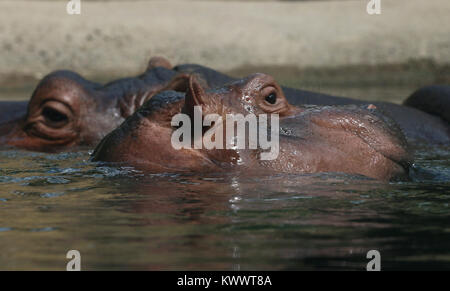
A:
x: 119, y: 218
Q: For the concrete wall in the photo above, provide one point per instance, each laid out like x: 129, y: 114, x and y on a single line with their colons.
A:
x: 116, y: 38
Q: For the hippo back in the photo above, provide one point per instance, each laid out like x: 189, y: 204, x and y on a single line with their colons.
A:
x: 12, y: 110
x: 432, y: 99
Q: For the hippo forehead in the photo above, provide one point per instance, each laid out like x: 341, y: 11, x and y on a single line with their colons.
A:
x: 61, y: 82
x: 254, y: 82
x: 69, y: 76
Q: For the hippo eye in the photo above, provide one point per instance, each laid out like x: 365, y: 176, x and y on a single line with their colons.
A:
x: 271, y: 98
x: 54, y: 116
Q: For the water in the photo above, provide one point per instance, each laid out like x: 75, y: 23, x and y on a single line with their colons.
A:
x: 120, y: 218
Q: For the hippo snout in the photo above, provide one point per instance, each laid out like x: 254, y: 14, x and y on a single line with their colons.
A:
x: 368, y: 124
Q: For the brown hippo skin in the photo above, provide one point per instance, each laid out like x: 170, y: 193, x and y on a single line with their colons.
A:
x: 425, y: 118
x: 350, y: 139
x: 66, y: 110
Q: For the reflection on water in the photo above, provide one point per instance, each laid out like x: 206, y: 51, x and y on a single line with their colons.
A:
x: 124, y: 219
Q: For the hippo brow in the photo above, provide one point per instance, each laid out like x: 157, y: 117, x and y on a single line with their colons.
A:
x: 70, y: 75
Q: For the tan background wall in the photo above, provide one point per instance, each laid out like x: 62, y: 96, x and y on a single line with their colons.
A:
x: 116, y: 38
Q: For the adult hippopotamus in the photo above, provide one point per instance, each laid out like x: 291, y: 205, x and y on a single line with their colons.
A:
x: 67, y: 110
x: 425, y: 118
x: 350, y: 139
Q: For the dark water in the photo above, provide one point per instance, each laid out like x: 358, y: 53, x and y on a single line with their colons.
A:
x: 119, y: 218
x: 123, y: 219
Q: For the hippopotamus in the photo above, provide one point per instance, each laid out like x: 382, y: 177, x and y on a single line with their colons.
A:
x: 424, y: 117
x: 351, y: 139
x: 66, y: 110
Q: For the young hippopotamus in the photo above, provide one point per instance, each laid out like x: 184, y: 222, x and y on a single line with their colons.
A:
x: 349, y: 139
x: 424, y: 117
x: 66, y: 110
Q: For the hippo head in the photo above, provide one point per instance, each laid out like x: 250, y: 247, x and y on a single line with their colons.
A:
x: 312, y: 139
x: 63, y: 111
x: 66, y: 110
x: 256, y: 94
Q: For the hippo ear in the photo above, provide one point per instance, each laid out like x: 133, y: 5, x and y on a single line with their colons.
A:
x: 195, y: 95
x: 156, y: 62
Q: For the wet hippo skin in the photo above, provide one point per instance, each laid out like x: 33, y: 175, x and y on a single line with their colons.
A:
x: 425, y: 118
x: 66, y: 110
x: 350, y: 139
